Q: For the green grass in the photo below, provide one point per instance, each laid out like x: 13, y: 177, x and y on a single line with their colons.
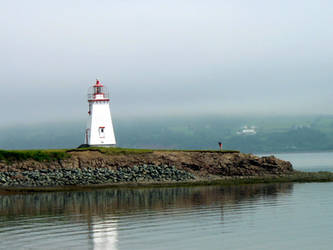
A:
x: 59, y: 154
x: 37, y: 155
x: 113, y: 150
x: 143, y: 151
x: 205, y: 151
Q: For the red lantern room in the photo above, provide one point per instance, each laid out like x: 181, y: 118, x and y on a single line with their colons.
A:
x: 98, y: 93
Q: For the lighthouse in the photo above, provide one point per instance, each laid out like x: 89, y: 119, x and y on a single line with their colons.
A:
x: 99, y: 132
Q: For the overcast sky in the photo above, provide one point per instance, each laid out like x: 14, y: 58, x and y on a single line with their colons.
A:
x: 165, y: 57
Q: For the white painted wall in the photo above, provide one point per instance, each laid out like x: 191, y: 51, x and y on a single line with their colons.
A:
x: 101, y: 117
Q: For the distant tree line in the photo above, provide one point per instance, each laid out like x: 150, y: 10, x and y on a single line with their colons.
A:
x: 279, y: 135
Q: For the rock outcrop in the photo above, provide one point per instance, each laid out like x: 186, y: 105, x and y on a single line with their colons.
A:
x: 85, y: 167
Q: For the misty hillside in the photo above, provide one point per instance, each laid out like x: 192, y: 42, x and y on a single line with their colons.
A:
x: 269, y: 134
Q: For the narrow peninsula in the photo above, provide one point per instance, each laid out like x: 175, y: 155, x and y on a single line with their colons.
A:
x: 51, y: 170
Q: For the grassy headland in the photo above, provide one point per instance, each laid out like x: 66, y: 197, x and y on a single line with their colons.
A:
x: 37, y: 155
x: 60, y: 154
x: 67, y: 169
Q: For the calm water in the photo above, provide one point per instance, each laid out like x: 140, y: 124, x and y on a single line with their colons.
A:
x: 274, y: 216
x: 310, y: 161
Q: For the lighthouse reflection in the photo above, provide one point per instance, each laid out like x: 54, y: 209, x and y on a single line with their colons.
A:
x: 104, y: 233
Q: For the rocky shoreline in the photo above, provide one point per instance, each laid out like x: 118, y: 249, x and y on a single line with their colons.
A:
x: 93, y: 176
x: 89, y: 167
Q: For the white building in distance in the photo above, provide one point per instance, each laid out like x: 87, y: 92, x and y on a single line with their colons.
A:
x: 247, y: 131
x: 99, y: 132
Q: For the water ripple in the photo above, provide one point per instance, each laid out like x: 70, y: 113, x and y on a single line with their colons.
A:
x: 240, y: 217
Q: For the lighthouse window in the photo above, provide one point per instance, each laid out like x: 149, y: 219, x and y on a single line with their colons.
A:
x: 101, y: 131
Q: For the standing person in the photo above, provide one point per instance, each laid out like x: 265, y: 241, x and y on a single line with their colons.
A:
x: 220, y: 145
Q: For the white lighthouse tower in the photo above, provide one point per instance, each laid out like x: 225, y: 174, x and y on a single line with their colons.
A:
x: 99, y: 130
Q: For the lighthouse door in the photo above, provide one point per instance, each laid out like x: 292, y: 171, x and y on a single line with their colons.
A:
x: 101, y: 132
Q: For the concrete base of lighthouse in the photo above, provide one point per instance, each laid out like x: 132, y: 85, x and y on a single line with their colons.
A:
x: 104, y: 145
x: 97, y: 146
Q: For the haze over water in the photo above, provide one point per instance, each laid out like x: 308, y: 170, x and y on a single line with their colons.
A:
x: 161, y: 58
x: 270, y: 216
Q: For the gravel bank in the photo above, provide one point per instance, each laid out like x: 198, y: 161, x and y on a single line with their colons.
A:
x: 86, y: 176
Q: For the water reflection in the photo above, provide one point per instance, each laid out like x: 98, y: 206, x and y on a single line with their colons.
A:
x: 119, y: 201
x: 100, y: 219
x: 104, y: 233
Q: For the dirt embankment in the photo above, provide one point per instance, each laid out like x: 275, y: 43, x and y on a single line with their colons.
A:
x: 200, y: 164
